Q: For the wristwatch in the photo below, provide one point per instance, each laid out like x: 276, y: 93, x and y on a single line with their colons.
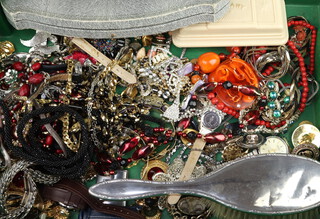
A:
x: 274, y: 144
x: 210, y: 120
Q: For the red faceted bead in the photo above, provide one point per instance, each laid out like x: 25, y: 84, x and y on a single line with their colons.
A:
x: 129, y: 145
x: 36, y: 78
x: 222, y: 56
x: 220, y: 106
x: 2, y: 74
x: 59, y: 151
x: 24, y: 90
x: 49, y: 140
x: 214, y: 138
x: 179, y: 133
x: 21, y: 75
x: 19, y: 66
x: 252, y: 116
x: 249, y: 90
x: 142, y: 152
x: 236, y: 50
x: 184, y: 123
x: 196, y: 67
x: 268, y: 125
x: 210, y: 95
x: 214, y: 100
x: 17, y: 106
x: 36, y: 66
x: 154, y: 171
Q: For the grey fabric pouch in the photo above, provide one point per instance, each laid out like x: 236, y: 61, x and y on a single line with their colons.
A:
x: 116, y: 18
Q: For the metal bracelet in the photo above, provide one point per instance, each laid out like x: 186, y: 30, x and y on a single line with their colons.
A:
x: 29, y: 194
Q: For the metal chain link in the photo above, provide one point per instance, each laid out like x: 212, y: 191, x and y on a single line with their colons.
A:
x: 30, y: 190
x: 89, y: 109
x: 42, y: 178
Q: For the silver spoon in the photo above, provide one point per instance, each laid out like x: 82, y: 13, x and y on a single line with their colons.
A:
x: 263, y: 184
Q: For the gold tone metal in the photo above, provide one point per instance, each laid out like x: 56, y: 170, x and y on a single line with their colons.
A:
x: 232, y: 152
x: 306, y: 133
x: 305, y: 122
x: 58, y: 212
x: 146, y: 40
x: 157, y: 216
x: 185, y: 140
x: 151, y: 164
x: 6, y: 49
x: 307, y: 150
x: 65, y: 134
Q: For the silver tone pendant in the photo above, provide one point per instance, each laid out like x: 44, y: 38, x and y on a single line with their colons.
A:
x: 262, y: 184
x: 39, y: 42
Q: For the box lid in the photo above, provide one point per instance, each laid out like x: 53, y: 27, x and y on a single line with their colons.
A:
x: 248, y: 23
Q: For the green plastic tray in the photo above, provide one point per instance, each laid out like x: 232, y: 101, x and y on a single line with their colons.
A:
x: 310, y: 9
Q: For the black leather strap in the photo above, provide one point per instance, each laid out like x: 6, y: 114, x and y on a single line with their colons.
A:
x: 74, y: 194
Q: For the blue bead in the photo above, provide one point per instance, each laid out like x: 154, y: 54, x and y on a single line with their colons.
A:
x: 286, y: 100
x: 271, y: 85
x: 273, y: 95
x: 272, y: 105
x: 277, y: 113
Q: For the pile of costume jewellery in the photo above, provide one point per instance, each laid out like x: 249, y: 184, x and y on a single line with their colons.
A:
x: 66, y: 117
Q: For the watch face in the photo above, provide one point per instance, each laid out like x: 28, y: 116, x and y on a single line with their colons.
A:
x: 274, y: 144
x: 211, y: 120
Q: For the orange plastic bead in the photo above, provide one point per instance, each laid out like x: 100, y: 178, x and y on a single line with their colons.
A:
x: 238, y: 72
x: 208, y: 62
x: 195, y: 79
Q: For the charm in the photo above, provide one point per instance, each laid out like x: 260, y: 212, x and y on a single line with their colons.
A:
x: 237, y: 72
x: 39, y: 42
x: 251, y: 141
x: 307, y: 150
x: 306, y: 133
x: 6, y: 49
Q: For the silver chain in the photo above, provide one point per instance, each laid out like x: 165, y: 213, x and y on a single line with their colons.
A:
x: 29, y: 195
x: 42, y: 178
x: 89, y: 110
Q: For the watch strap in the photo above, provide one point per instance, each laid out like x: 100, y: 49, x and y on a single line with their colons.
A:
x: 74, y: 194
